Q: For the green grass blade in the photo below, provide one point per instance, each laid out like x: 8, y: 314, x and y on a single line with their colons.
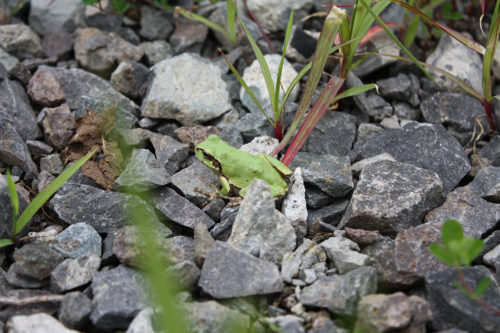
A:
x: 45, y: 195
x: 5, y: 242
x: 263, y: 66
x: 491, y: 47
x: 280, y: 69
x: 205, y: 21
x: 411, y: 32
x: 14, y: 199
x: 292, y: 85
x: 231, y: 20
x: 355, y: 91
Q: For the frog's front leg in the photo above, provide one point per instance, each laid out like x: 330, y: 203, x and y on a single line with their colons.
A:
x: 226, y: 187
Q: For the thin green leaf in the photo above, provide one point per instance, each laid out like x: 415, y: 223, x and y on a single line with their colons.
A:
x: 411, y: 31
x: 442, y: 254
x: 294, y: 82
x: 355, y: 91
x: 201, y: 19
x: 14, y: 199
x: 451, y: 231
x: 45, y: 195
x: 280, y: 68
x: 482, y: 286
x: 231, y: 20
x: 5, y: 242
x: 491, y: 47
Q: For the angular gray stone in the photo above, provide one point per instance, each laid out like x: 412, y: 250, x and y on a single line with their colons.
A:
x: 451, y: 308
x: 211, y: 316
x: 36, y: 260
x: 486, y: 184
x: 51, y: 163
x: 15, y: 108
x: 294, y: 203
x: 142, y: 323
x: 331, y: 174
x: 195, y: 176
x: 118, y: 297
x: 427, y: 146
x: 15, y: 279
x: 74, y: 273
x: 299, y: 259
x: 19, y: 39
x: 395, y: 88
x: 38, y: 147
x: 42, y: 181
x: 49, y: 17
x: 187, y: 89
x: 143, y: 172
x: 44, y: 89
x: 392, y: 197
x: 104, y: 210
x: 77, y: 240
x: 186, y: 273
x: 129, y: 78
x: 229, y: 272
x: 259, y: 228
x: 344, y: 253
x: 58, y: 126
x: 155, y: 24
x: 340, y: 294
x: 75, y: 310
x: 179, y: 249
x: 180, y: 210
x: 203, y: 243
x: 156, y: 51
x: 492, y: 151
x: 36, y: 323
x: 169, y: 152
x: 288, y: 323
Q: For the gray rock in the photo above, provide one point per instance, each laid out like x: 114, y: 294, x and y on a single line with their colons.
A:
x: 44, y: 89
x: 142, y: 322
x: 118, y: 297
x: 491, y: 151
x: 395, y: 88
x: 294, y: 202
x: 143, y: 172
x: 383, y: 257
x: 155, y: 24
x: 255, y: 81
x: 203, y: 94
x: 15, y: 108
x: 19, y: 39
x: 427, y: 146
x: 391, y: 197
x: 302, y: 44
x: 203, y: 243
x: 58, y: 125
x: 42, y: 181
x: 78, y: 240
x: 49, y: 17
x: 451, y: 308
x: 156, y: 51
x: 383, y: 313
x: 316, y: 198
x: 288, y: 323
x: 365, y: 130
x: 36, y: 323
x: 458, y: 60
x: 75, y: 310
x: 8, y: 61
x: 253, y: 124
x: 380, y: 44
x: 188, y: 37
x: 179, y: 249
x: 78, y: 84
x: 169, y: 152
x: 36, y: 260
x: 332, y: 174
x: 104, y: 210
x: 299, y: 259
x: 180, y: 210
x: 486, y: 184
x: 369, y: 103
x: 259, y: 228
x: 492, y: 258
x: 229, y: 272
x: 323, y: 324
x: 330, y: 213
x: 477, y: 216
x: 129, y: 78
x: 334, y: 127
x: 15, y: 279
x: 360, y: 165
x: 38, y: 147
x: 186, y: 273
x: 344, y: 253
x: 405, y: 111
x: 195, y: 176
x: 211, y: 316
x: 457, y: 112
x: 6, y: 208
x: 58, y: 45
x: 340, y: 294
x: 74, y: 273
x: 99, y: 52
x: 51, y: 163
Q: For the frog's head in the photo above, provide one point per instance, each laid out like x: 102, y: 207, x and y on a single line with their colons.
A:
x: 207, y: 152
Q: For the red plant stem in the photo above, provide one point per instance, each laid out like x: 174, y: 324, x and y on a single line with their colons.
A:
x: 489, y: 112
x: 469, y: 290
x: 278, y: 131
x: 250, y: 16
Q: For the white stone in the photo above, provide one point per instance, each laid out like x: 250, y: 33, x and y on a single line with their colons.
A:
x: 294, y: 204
x: 261, y: 144
x: 48, y: 16
x: 36, y: 323
x: 344, y: 254
x: 492, y: 258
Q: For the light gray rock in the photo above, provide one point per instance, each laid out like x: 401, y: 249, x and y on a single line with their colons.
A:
x: 293, y: 261
x: 73, y: 273
x: 492, y: 258
x: 255, y: 81
x: 187, y: 89
x: 211, y: 316
x: 169, y: 152
x: 129, y: 78
x: 294, y: 203
x: 48, y: 16
x: 51, y: 163
x: 142, y: 322
x: 344, y: 253
x: 340, y: 294
x: 203, y: 243
x: 8, y: 61
x: 143, y: 172
x: 486, y: 184
x: 288, y: 323
x: 195, y: 176
x: 229, y: 272
x: 156, y: 51
x: 36, y: 323
x: 77, y: 240
x: 391, y: 197
x: 259, y: 229
x: 360, y: 165
x: 261, y: 144
x: 18, y: 39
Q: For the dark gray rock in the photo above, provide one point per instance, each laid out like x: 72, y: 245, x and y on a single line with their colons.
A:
x: 58, y: 125
x: 118, y: 297
x: 391, y: 197
x: 143, y: 172
x: 36, y: 260
x: 222, y: 230
x: 333, y: 135
x: 302, y: 44
x: 195, y: 176
x: 405, y: 111
x: 75, y: 310
x: 15, y: 108
x: 259, y: 229
x: 180, y: 210
x: 74, y: 273
x: 38, y: 147
x: 451, y: 308
x: 457, y: 112
x: 169, y: 152
x: 316, y: 198
x: 331, y: 174
x: 427, y: 146
x: 340, y: 294
x: 104, y: 210
x: 229, y: 272
x: 491, y: 151
x: 15, y: 279
x: 77, y: 240
x: 188, y: 36
x: 51, y: 163
x: 155, y: 24
x: 382, y: 255
x: 330, y: 214
x: 395, y: 88
x: 129, y: 78
x: 486, y: 184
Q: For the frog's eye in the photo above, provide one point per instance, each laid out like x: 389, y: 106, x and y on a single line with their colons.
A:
x: 205, y: 155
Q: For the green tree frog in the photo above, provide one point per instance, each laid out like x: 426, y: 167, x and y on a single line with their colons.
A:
x: 237, y: 168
